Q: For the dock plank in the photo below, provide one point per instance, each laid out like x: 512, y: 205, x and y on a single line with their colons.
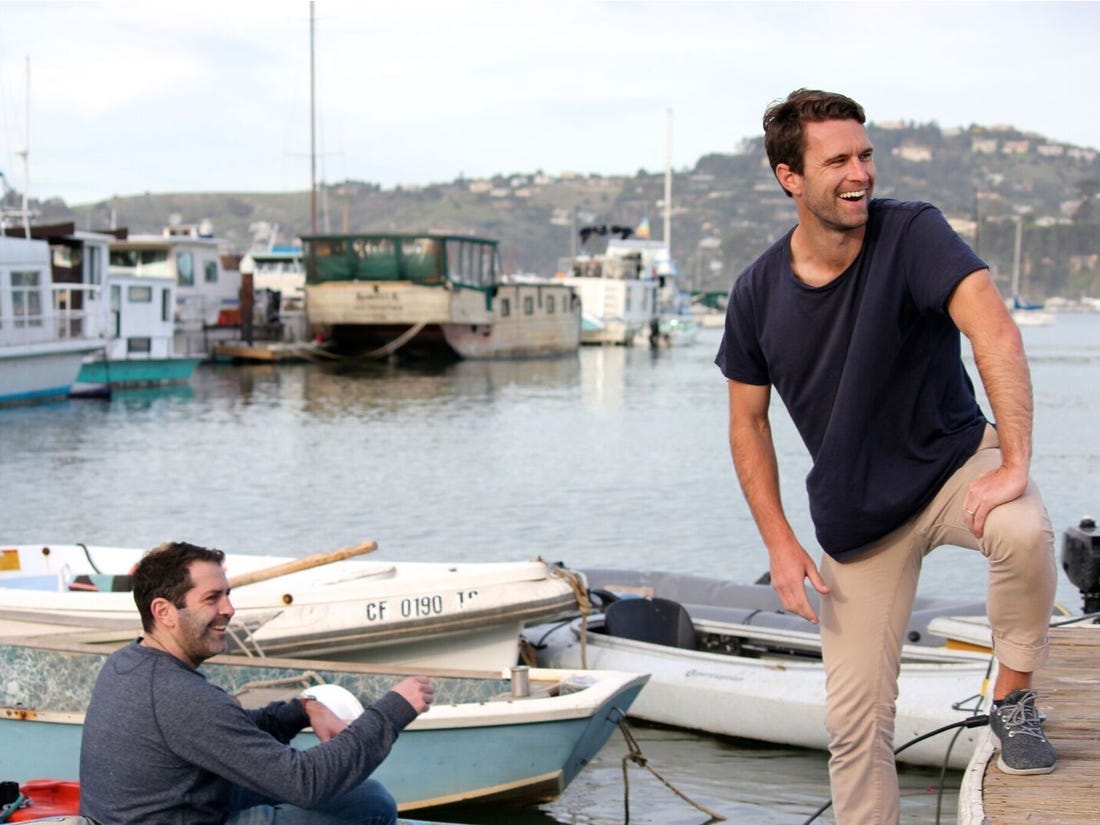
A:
x: 1068, y: 688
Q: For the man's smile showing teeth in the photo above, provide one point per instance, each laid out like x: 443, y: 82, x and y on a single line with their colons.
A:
x: 853, y: 196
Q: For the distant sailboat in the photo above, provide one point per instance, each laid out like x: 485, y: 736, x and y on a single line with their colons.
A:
x: 1024, y: 312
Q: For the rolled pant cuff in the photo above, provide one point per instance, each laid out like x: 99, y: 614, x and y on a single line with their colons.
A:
x: 1024, y: 658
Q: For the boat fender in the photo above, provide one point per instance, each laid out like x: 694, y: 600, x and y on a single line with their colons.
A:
x: 339, y: 700
x: 45, y: 800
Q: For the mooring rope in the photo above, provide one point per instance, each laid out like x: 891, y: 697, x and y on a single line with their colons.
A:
x: 580, y: 593
x: 393, y: 346
x: 636, y: 756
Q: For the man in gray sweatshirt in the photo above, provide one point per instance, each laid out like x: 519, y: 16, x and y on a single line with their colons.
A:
x: 163, y: 745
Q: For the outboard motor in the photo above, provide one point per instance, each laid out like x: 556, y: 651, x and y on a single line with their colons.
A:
x: 1081, y: 561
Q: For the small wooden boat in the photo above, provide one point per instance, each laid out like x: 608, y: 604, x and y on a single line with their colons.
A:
x: 724, y: 658
x: 490, y: 740
x: 325, y: 606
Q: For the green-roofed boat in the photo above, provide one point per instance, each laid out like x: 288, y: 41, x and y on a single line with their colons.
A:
x: 433, y: 294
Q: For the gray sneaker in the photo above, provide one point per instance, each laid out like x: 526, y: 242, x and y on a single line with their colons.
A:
x: 1024, y: 748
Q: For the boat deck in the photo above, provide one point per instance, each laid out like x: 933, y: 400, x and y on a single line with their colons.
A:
x: 1069, y: 693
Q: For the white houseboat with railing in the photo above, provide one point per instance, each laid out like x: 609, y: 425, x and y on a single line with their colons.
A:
x: 43, y: 337
x: 432, y: 294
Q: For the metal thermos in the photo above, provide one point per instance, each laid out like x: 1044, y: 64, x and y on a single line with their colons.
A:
x: 521, y: 684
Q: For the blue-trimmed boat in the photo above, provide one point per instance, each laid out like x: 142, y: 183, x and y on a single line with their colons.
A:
x: 481, y: 742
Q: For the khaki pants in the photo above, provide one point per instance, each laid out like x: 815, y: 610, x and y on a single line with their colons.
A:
x: 865, y: 616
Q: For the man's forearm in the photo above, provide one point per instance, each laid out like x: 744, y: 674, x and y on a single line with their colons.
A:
x: 1007, y: 381
x: 758, y: 473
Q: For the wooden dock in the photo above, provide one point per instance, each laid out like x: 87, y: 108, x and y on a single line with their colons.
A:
x: 1068, y: 689
x: 268, y: 352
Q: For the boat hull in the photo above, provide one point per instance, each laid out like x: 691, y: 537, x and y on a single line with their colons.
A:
x: 775, y: 700
x: 754, y: 671
x: 33, y: 373
x: 431, y: 614
x: 520, y: 320
x: 144, y: 372
x: 478, y: 742
x: 617, y: 310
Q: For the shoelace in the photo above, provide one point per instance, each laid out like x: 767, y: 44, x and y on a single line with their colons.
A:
x: 1021, y: 717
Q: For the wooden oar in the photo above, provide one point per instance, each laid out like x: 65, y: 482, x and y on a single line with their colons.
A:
x: 302, y: 564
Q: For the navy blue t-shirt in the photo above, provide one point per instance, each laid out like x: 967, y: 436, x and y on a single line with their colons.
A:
x: 869, y: 367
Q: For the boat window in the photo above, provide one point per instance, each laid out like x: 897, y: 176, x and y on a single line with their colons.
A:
x: 375, y: 259
x: 490, y: 266
x: 139, y: 345
x: 529, y: 305
x: 95, y: 264
x: 327, y: 261
x: 185, y: 268
x: 26, y: 298
x: 626, y: 297
x: 549, y: 304
x: 210, y: 271
x: 66, y: 257
x: 472, y: 262
x: 505, y: 307
x: 139, y: 294
x: 116, y: 304
x: 144, y: 261
x: 166, y: 305
x: 419, y: 260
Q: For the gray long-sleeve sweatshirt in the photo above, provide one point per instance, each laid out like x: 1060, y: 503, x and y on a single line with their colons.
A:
x: 161, y: 744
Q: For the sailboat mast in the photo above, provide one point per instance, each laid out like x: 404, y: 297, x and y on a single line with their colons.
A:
x: 668, y: 188
x: 1016, y: 259
x: 25, y: 153
x: 312, y: 133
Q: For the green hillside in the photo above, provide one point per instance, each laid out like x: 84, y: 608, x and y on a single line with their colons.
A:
x: 726, y: 209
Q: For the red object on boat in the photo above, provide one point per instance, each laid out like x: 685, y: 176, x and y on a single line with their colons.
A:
x: 48, y: 797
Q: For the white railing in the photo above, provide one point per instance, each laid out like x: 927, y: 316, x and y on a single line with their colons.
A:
x: 60, y: 322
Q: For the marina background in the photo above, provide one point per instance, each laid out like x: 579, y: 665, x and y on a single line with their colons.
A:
x: 615, y: 456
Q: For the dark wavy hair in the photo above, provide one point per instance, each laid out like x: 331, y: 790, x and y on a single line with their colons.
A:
x: 165, y: 573
x: 784, y: 138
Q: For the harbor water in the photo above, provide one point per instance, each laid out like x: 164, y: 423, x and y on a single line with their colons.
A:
x: 610, y: 457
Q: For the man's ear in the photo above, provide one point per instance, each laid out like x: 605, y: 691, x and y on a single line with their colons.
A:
x: 163, y: 611
x: 788, y: 179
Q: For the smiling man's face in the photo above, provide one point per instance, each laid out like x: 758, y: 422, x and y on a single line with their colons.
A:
x: 200, y: 629
x: 838, y: 175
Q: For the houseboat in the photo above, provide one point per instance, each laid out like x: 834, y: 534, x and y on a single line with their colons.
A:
x: 43, y: 337
x: 207, y: 308
x: 618, y: 292
x: 432, y: 294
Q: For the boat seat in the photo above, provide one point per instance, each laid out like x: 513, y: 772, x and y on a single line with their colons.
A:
x: 658, y: 621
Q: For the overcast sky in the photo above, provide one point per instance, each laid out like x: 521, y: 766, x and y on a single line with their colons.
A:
x: 128, y: 97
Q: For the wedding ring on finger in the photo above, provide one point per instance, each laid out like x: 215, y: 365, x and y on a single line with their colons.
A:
x: 969, y: 512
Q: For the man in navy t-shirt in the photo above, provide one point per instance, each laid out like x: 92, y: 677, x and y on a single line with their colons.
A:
x: 854, y: 317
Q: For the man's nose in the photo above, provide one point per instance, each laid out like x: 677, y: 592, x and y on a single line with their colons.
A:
x: 861, y: 169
